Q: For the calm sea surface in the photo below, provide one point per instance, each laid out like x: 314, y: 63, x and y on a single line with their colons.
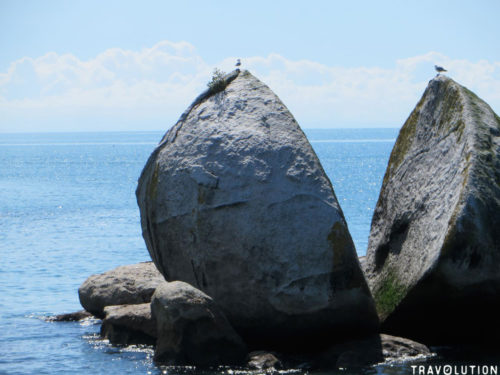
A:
x: 68, y: 210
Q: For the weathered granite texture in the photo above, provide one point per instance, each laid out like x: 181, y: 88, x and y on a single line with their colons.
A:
x: 235, y: 202
x: 192, y: 330
x: 434, y: 249
x: 132, y: 284
x: 129, y: 324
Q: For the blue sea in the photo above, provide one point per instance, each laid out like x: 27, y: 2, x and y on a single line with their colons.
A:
x: 68, y: 210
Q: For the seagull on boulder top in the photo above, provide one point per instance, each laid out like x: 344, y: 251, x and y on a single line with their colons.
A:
x: 439, y: 69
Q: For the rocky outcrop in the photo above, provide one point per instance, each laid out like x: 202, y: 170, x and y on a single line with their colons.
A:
x: 399, y: 348
x: 235, y: 202
x: 129, y: 324
x: 262, y: 360
x: 132, y: 284
x: 434, y: 248
x: 192, y: 330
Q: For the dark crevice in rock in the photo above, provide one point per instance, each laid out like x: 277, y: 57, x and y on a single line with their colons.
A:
x: 397, y: 237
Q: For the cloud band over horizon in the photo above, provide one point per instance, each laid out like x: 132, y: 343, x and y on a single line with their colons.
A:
x: 148, y: 89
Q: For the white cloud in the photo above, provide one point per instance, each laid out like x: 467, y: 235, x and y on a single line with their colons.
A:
x: 123, y: 89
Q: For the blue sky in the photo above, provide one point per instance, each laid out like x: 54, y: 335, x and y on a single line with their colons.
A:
x: 130, y: 65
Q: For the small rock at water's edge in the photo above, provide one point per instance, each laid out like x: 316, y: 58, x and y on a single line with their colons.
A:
x: 129, y: 324
x: 131, y: 284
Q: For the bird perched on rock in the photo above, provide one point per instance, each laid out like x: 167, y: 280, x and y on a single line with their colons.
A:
x: 439, y: 69
x: 238, y: 63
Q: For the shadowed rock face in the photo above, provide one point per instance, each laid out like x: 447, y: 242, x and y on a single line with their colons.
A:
x: 129, y: 324
x: 235, y: 202
x: 434, y: 250
x: 192, y: 330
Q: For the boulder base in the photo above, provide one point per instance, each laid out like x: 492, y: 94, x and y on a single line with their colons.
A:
x: 192, y: 330
x: 129, y: 324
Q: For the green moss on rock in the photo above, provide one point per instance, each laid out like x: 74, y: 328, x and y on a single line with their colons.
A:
x: 388, y: 294
x: 340, y: 241
x: 451, y: 104
x: 404, y: 142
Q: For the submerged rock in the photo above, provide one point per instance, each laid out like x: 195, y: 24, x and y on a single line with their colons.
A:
x: 70, y: 317
x: 235, y: 202
x: 132, y: 284
x: 129, y: 324
x: 434, y: 249
x: 371, y: 350
x: 192, y: 330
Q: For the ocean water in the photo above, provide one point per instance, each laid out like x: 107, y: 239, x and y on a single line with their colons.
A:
x: 68, y: 210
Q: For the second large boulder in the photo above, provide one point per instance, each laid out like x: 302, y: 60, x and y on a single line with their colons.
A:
x: 434, y: 248
x: 235, y: 202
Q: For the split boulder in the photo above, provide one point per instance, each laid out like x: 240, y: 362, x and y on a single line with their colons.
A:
x: 235, y: 202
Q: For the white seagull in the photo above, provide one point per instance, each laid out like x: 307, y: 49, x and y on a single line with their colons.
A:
x: 439, y: 69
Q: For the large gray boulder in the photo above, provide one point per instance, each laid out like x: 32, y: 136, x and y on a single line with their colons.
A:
x: 192, y: 330
x: 235, y: 202
x: 433, y: 257
x: 131, y: 284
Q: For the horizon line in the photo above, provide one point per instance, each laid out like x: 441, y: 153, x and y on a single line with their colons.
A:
x: 160, y: 130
